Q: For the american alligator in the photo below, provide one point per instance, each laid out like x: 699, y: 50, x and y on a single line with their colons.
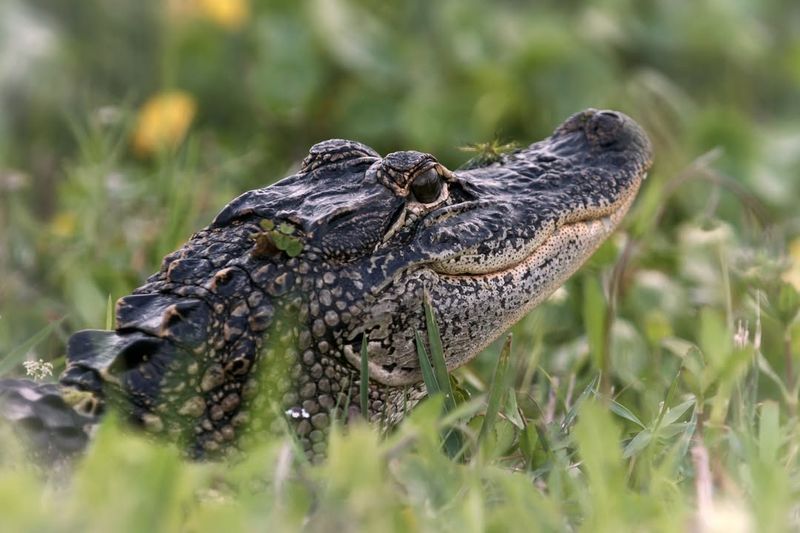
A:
x: 259, y: 319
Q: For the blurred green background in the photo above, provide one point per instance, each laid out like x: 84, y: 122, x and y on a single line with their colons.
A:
x: 125, y: 125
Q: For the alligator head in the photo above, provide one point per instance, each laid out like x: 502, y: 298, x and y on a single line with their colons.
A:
x: 288, y: 280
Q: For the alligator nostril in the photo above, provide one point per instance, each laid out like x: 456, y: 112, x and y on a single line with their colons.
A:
x: 604, y: 128
x: 612, y: 114
x: 607, y: 121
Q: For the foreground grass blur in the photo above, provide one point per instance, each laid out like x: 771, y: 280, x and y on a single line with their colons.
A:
x: 657, y: 391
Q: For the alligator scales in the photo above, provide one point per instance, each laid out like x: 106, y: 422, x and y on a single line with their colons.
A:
x: 258, y: 320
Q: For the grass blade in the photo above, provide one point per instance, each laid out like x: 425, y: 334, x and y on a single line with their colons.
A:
x: 496, y: 391
x: 667, y: 400
x: 674, y: 413
x: 595, y: 309
x: 109, y: 313
x: 364, y: 384
x: 438, y: 376
x: 425, y: 365
x: 437, y: 355
x: 512, y: 412
x: 452, y: 442
x: 572, y: 414
x: 622, y: 411
x: 637, y: 443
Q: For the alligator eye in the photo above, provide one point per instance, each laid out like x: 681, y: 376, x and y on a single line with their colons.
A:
x: 427, y: 186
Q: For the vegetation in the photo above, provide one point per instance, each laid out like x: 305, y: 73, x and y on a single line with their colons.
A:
x: 658, y: 390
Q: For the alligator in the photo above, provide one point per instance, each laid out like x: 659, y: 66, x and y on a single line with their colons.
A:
x: 258, y: 321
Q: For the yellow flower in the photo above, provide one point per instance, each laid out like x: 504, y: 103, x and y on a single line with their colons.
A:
x: 162, y: 122
x: 230, y: 14
x: 792, y: 275
x: 63, y: 224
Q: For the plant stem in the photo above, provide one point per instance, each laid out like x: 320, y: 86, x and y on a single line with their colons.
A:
x: 789, y: 364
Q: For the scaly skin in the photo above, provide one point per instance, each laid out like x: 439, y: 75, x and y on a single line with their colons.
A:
x: 234, y: 335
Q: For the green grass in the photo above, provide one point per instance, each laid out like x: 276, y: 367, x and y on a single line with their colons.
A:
x: 712, y: 450
x: 658, y: 390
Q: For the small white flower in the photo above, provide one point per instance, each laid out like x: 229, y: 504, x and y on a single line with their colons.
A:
x: 38, y: 369
x: 297, y: 412
x: 742, y: 335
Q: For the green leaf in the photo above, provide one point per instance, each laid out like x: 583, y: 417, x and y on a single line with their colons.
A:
x: 267, y: 225
x: 637, y: 443
x: 501, y: 438
x: 624, y: 412
x: 673, y: 387
x: 682, y: 446
x: 460, y: 393
x: 293, y: 248
x: 673, y: 414
x: 281, y: 241
x: 511, y: 410
x: 788, y: 303
x: 286, y: 229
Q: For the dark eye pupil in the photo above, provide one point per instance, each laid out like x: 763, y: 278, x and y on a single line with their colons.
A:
x: 427, y: 186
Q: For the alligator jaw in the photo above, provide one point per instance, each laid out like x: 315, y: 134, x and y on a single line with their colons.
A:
x: 494, y: 297
x: 592, y: 230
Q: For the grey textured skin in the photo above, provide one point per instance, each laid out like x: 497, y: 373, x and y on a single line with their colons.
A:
x: 232, y: 336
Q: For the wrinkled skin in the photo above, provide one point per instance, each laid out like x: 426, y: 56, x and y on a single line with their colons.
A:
x: 233, y: 336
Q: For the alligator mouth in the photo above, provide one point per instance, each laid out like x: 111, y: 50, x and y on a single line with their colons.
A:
x: 594, y: 230
x: 584, y: 236
x: 562, y: 250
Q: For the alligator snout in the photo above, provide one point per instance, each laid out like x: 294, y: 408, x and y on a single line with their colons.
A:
x: 610, y: 131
